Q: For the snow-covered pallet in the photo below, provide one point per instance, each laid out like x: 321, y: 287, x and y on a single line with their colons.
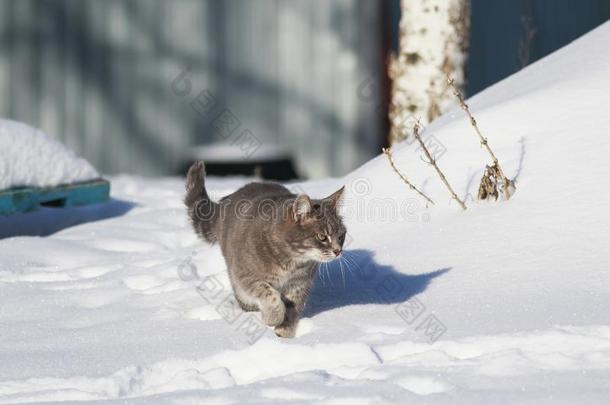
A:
x: 23, y: 199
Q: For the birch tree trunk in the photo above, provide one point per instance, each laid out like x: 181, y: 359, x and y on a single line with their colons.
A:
x: 433, y: 44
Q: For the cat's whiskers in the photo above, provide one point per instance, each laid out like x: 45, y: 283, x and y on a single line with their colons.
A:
x: 352, y: 260
x: 360, y: 272
x: 321, y: 273
x: 348, y: 262
x: 342, y: 273
x: 329, y: 275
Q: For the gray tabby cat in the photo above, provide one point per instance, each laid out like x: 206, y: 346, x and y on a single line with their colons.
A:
x: 272, y: 241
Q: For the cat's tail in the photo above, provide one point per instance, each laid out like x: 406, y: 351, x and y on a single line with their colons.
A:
x: 204, y: 213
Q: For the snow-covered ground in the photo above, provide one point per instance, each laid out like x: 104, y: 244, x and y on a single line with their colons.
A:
x: 506, y: 302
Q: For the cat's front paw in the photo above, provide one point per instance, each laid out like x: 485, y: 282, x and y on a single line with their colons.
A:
x: 273, y: 315
x: 286, y: 331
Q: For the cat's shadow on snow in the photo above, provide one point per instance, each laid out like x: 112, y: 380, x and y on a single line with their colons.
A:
x: 357, y: 279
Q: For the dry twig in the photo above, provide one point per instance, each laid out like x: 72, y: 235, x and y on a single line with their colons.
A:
x: 507, y: 186
x: 388, y: 153
x: 432, y: 161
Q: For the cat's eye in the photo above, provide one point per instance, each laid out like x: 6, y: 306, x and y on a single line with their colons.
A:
x: 321, y: 237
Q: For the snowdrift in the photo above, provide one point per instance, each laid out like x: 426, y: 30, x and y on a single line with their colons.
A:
x: 29, y: 157
x: 506, y: 302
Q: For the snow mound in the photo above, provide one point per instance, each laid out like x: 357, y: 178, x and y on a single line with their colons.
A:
x: 29, y: 157
x: 548, y: 124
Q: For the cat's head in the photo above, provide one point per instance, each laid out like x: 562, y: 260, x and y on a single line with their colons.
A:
x: 316, y: 230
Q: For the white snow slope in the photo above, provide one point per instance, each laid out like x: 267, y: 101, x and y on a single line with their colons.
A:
x: 29, y: 157
x: 515, y: 294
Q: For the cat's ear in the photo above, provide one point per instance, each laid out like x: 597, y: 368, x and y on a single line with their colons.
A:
x: 335, y: 198
x: 301, y: 207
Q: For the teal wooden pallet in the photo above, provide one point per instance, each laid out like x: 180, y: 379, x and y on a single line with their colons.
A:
x: 24, y: 199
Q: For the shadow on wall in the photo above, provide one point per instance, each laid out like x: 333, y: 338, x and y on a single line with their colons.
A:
x: 47, y: 221
x: 111, y: 94
x: 357, y: 279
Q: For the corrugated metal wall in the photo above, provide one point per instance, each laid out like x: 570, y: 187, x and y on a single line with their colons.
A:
x: 98, y: 74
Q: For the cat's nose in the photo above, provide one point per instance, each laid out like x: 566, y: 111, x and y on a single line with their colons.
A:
x: 337, y: 252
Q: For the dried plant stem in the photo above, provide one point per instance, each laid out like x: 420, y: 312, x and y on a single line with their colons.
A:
x: 507, y: 184
x: 432, y: 162
x: 388, y: 153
